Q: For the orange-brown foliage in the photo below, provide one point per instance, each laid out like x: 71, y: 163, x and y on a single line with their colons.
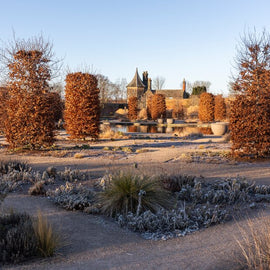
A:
x: 249, y: 125
x: 82, y: 106
x: 132, y: 129
x: 3, y: 111
x: 158, y: 106
x: 57, y: 105
x: 220, y: 108
x: 250, y: 111
x: 29, y: 117
x: 178, y: 111
x: 206, y: 107
x: 132, y: 108
x: 206, y: 131
x: 149, y: 106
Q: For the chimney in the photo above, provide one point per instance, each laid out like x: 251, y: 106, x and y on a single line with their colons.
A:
x: 145, y: 79
x: 149, y: 85
x: 184, y: 85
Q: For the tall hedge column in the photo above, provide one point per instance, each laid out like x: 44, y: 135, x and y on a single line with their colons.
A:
x: 82, y: 106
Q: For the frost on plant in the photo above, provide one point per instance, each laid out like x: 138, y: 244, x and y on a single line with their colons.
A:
x: 73, y: 197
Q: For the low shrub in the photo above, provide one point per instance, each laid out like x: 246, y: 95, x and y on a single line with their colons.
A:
x: 17, y: 238
x: 73, y: 197
x: 128, y: 192
x: 69, y: 175
x: 7, y: 166
x: 108, y: 133
x: 174, y: 183
x: 167, y: 224
x: 21, y: 237
x: 37, y: 189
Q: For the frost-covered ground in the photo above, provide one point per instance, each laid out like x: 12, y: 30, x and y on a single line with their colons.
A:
x: 96, y: 242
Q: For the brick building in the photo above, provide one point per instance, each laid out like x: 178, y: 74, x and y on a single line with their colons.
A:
x: 142, y: 89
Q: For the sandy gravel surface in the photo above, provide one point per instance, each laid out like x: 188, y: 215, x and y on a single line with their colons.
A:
x: 98, y: 243
x: 95, y: 242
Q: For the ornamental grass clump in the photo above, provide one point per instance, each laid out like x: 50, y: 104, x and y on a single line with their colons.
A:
x: 127, y: 192
x: 47, y: 239
x: 255, y: 244
x: 22, y: 237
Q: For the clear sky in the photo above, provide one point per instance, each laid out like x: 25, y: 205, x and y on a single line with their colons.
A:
x: 192, y: 39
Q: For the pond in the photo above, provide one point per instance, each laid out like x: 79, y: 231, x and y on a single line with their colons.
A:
x: 158, y: 129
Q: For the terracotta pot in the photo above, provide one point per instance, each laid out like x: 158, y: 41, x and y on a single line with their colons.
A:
x: 219, y: 128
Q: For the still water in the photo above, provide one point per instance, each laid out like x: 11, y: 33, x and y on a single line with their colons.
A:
x: 156, y: 129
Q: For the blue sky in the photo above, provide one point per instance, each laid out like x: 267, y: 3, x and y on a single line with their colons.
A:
x: 192, y: 39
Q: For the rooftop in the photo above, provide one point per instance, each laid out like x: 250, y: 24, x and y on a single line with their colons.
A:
x: 136, y: 81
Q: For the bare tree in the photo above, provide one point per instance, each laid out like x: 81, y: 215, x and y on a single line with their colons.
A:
x: 110, y: 91
x: 158, y: 82
x: 35, y: 43
x: 189, y: 87
x: 104, y: 87
x: 121, y: 84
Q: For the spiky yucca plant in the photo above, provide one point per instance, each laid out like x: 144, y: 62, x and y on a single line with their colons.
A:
x: 122, y: 194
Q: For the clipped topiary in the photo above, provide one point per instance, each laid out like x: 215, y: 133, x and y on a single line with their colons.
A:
x: 249, y: 125
x: 149, y: 106
x: 206, y: 107
x: 29, y: 119
x: 132, y: 108
x: 220, y: 108
x: 82, y: 106
x: 158, y: 106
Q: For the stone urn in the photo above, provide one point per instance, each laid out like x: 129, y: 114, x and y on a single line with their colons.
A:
x: 160, y: 120
x: 219, y: 128
x: 170, y: 121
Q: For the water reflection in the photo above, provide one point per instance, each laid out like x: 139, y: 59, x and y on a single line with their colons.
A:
x: 145, y: 129
x: 155, y: 129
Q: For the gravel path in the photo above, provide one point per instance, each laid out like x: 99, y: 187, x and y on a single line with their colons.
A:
x: 97, y: 243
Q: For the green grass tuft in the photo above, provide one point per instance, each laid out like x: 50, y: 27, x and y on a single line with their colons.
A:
x: 122, y: 194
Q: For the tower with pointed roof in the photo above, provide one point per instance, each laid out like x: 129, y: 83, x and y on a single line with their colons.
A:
x: 136, y: 87
x: 142, y: 90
